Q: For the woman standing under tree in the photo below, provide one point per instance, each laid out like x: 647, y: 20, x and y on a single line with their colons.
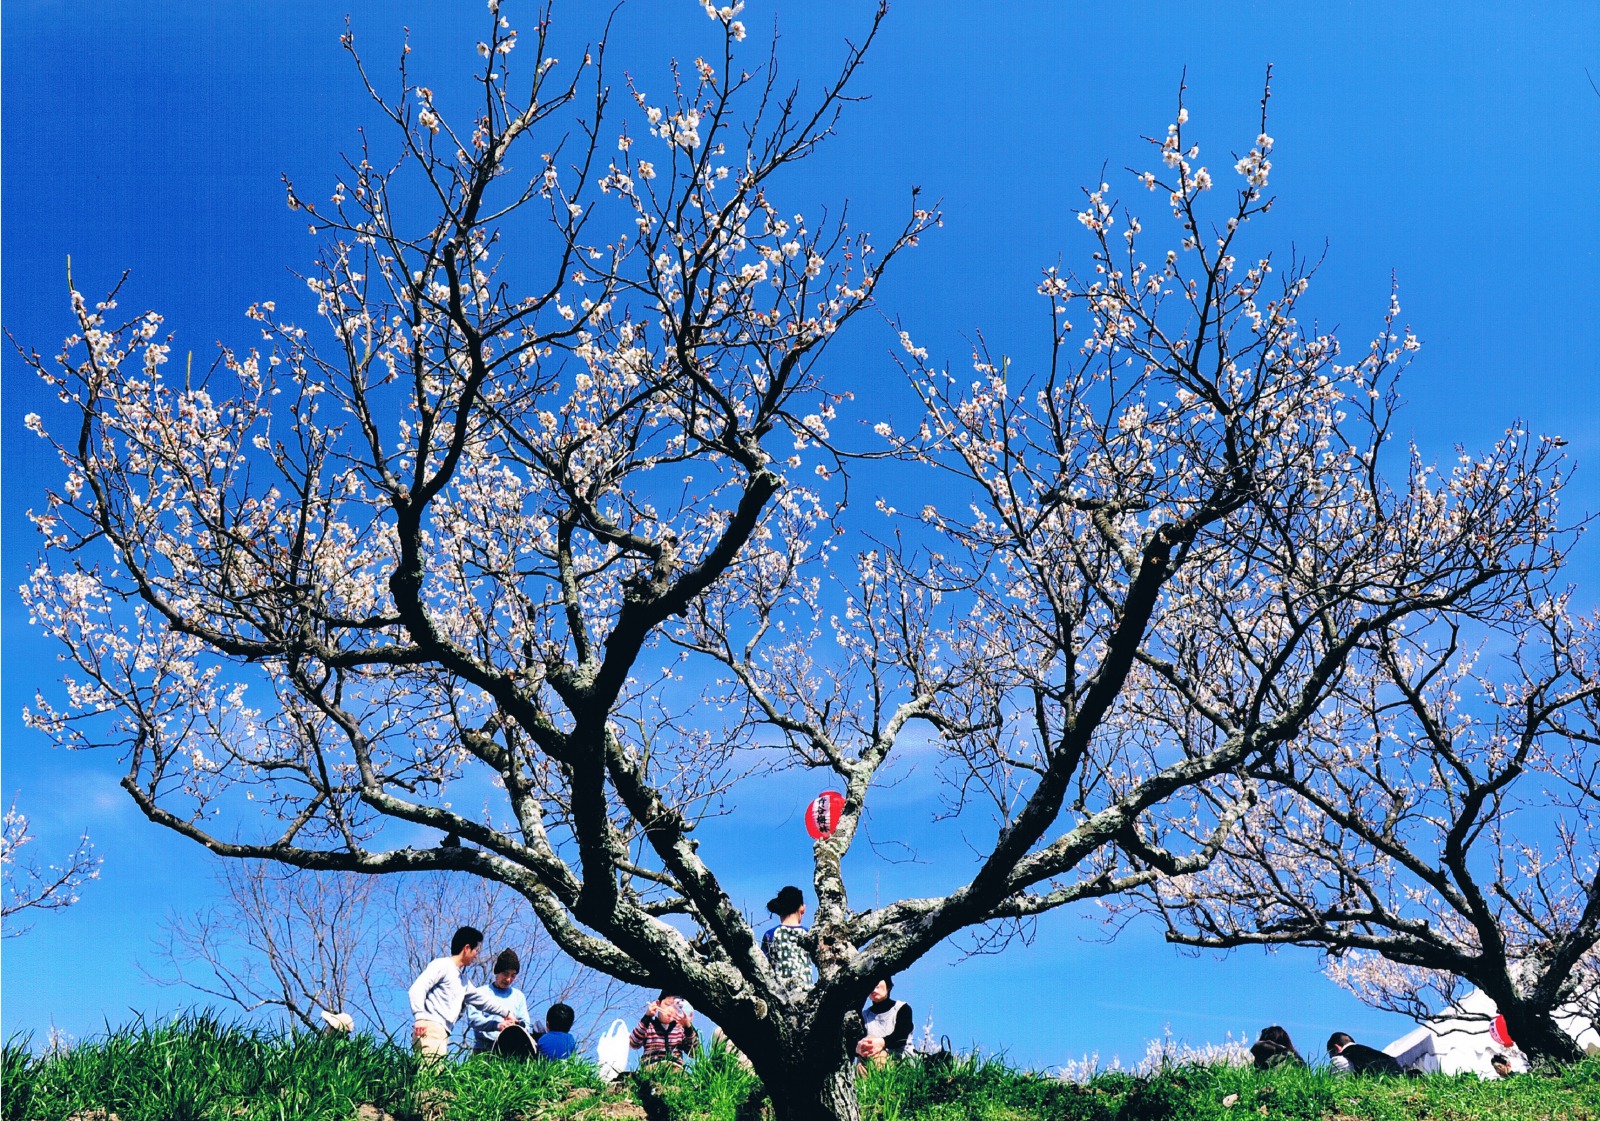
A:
x: 787, y: 945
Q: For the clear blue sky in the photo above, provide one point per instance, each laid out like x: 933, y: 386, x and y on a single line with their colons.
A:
x: 1450, y: 144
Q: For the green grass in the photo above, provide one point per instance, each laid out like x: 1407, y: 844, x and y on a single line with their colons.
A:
x: 1317, y: 1095
x: 199, y: 1069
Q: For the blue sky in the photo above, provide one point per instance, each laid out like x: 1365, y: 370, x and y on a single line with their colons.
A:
x: 1450, y: 145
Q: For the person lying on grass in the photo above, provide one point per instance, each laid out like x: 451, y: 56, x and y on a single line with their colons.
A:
x: 437, y: 995
x: 889, y: 1023
x: 1346, y: 1056
x: 490, y: 1028
x: 666, y: 1032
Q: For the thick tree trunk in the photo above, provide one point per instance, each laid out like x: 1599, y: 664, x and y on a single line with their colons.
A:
x: 811, y: 1093
x: 1537, y: 1035
x: 804, y: 1055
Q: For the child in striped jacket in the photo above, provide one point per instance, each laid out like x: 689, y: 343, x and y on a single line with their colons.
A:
x: 666, y: 1032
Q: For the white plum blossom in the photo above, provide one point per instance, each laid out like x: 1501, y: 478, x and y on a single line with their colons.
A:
x: 28, y: 886
x: 577, y: 520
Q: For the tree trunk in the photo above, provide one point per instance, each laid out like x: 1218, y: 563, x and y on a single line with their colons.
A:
x: 1537, y: 1035
x: 811, y: 1093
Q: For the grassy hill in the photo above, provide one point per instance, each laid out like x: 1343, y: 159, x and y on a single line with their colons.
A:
x: 197, y: 1069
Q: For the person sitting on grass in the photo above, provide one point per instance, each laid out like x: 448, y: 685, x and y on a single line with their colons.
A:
x: 504, y: 1034
x: 438, y: 993
x: 1346, y: 1056
x: 556, y: 1042
x: 666, y: 1032
x: 1502, y: 1065
x: 1275, y: 1049
x: 889, y: 1023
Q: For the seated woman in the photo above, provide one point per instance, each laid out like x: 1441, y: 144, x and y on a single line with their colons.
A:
x: 497, y: 1012
x: 889, y: 1023
x: 1275, y: 1049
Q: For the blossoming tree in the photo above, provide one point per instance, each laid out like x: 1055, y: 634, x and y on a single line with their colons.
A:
x: 1434, y: 828
x: 570, y: 554
x: 28, y: 886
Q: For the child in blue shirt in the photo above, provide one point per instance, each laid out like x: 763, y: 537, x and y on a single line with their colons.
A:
x: 557, y: 1041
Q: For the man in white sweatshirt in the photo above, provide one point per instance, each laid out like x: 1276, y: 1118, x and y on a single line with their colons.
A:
x: 438, y: 994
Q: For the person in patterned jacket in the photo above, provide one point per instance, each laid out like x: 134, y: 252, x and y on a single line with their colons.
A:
x: 666, y: 1032
x: 788, y: 944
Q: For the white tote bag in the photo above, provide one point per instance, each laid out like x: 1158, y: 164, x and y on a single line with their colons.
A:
x: 611, y: 1053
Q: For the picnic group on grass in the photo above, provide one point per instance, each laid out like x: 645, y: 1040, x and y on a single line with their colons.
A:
x: 497, y: 1012
x: 499, y: 1021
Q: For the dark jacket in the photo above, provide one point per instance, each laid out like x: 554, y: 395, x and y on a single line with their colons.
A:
x: 1369, y: 1060
x: 1269, y: 1054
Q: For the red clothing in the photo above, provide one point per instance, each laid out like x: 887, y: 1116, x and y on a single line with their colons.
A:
x: 659, y: 1042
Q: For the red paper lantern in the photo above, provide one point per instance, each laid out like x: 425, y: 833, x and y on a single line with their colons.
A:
x: 822, y: 815
x: 1502, y: 1034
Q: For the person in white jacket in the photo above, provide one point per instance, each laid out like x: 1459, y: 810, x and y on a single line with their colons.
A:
x: 438, y: 994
